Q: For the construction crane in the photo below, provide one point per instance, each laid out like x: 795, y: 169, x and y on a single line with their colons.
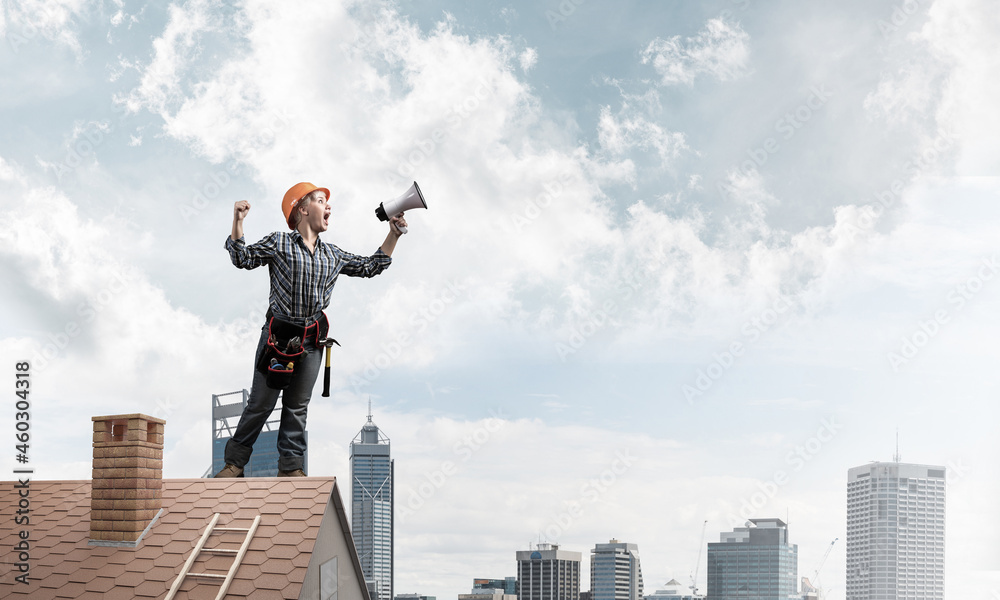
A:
x: 819, y: 589
x: 694, y: 578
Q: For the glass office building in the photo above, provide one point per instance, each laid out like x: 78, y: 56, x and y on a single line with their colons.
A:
x: 615, y: 573
x: 753, y: 563
x: 372, y: 508
x: 507, y: 584
x: 895, y: 532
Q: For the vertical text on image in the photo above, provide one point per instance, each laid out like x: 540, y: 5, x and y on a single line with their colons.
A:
x: 22, y: 437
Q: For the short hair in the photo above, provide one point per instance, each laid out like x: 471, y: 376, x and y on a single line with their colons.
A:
x: 295, y: 217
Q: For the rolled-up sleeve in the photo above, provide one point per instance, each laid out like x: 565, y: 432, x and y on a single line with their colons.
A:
x: 251, y: 256
x: 364, y: 266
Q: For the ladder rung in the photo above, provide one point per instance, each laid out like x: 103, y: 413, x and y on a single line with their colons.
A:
x: 200, y: 547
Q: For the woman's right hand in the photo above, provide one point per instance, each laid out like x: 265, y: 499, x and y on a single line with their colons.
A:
x: 240, y: 210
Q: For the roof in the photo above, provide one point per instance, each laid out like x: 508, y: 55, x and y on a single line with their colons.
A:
x: 64, y: 565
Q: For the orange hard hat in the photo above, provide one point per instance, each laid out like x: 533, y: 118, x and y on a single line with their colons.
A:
x: 296, y: 193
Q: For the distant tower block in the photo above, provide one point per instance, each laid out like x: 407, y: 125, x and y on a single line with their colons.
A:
x: 615, y: 573
x: 895, y: 531
x: 548, y: 573
x: 372, y: 496
x: 755, y: 562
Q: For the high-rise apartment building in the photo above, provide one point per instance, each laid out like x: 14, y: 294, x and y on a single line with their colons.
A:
x: 615, y: 573
x: 755, y: 562
x: 372, y: 508
x: 548, y: 573
x: 895, y: 532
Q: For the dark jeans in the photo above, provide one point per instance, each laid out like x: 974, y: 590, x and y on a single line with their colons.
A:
x: 294, y: 403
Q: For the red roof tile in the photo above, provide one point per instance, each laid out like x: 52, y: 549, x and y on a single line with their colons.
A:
x: 130, y: 579
x: 66, y: 566
x: 101, y: 585
x: 271, y: 581
x: 82, y: 575
x: 119, y: 593
x: 71, y: 590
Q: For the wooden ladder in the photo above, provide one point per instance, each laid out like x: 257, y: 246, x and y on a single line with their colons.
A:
x: 200, y: 547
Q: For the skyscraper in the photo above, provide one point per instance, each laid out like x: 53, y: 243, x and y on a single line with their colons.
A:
x: 372, y: 508
x: 615, y: 573
x: 548, y: 573
x: 755, y: 562
x: 895, y: 532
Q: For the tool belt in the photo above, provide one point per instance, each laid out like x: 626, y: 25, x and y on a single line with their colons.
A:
x: 285, y: 348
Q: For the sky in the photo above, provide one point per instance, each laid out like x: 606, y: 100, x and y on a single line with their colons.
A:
x: 681, y: 263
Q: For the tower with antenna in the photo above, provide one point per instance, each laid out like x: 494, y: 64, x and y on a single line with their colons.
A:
x: 372, y: 507
x: 895, y: 531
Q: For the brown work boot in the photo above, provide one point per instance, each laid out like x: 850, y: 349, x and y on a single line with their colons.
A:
x: 293, y: 473
x: 230, y: 471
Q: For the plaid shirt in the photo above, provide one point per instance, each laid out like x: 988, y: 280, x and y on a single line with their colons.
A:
x: 302, y: 282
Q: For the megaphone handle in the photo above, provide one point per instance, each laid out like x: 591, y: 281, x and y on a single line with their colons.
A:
x: 401, y: 228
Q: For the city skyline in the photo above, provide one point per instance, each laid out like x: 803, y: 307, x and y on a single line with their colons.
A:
x: 681, y: 261
x: 625, y: 555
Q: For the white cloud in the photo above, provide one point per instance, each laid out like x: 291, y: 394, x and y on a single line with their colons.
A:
x: 394, y: 103
x: 172, y: 52
x: 52, y: 20
x: 624, y: 132
x: 528, y: 59
x: 951, y: 89
x: 720, y: 50
x: 901, y: 98
x: 11, y: 172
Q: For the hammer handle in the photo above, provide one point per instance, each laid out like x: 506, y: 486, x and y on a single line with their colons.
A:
x: 326, y: 375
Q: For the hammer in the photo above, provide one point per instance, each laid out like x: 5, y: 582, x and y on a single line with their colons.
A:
x: 327, y: 343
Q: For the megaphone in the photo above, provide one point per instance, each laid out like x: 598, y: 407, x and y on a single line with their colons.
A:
x: 412, y: 198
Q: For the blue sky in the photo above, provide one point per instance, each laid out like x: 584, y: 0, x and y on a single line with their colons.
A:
x: 705, y: 235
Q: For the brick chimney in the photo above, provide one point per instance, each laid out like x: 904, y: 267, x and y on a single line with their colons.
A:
x: 127, y: 491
